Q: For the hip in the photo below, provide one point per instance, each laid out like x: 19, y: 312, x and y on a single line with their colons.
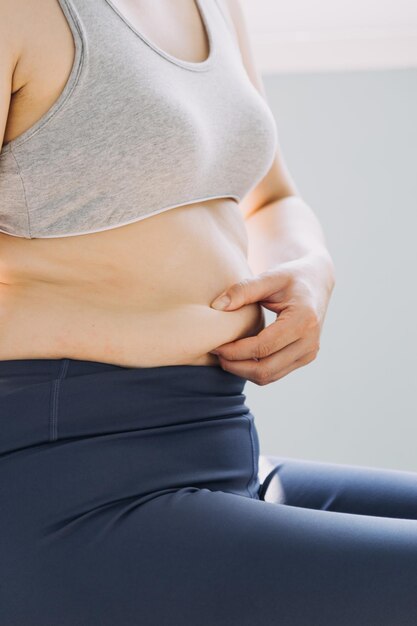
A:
x: 80, y: 437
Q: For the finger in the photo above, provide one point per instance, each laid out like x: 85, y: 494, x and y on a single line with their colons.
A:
x: 282, y: 332
x: 291, y: 368
x: 273, y: 367
x: 252, y: 289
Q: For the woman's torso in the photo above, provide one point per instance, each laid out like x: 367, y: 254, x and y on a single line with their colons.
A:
x: 135, y: 295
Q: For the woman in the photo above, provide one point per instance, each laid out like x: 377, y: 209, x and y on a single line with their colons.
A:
x: 140, y: 179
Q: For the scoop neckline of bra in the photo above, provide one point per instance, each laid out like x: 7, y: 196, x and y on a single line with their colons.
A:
x: 191, y: 65
x: 79, y: 37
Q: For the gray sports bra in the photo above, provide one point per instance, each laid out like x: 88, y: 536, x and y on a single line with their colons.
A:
x: 135, y: 131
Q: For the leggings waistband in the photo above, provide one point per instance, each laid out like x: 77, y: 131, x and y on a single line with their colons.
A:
x: 86, y: 395
x: 183, y: 424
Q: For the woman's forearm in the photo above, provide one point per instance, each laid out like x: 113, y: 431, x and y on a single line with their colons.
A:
x: 284, y: 230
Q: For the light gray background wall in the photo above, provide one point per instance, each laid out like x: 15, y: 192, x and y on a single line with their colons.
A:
x: 350, y: 141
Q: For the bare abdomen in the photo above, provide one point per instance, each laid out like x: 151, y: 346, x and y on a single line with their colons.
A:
x: 136, y: 296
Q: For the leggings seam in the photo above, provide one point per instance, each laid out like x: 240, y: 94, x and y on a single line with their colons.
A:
x: 54, y: 398
x: 253, y: 455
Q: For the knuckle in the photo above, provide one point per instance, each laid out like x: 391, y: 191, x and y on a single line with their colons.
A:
x: 262, y: 350
x: 307, y: 358
x: 241, y: 286
x: 262, y: 376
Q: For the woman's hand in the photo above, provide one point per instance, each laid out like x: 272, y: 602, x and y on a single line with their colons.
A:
x: 299, y: 292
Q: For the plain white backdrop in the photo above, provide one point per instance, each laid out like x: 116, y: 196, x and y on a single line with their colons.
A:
x: 332, y: 34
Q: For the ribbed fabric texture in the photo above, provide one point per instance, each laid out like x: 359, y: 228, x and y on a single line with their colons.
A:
x: 135, y: 131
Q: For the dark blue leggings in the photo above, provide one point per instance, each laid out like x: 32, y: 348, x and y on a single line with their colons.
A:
x: 138, y: 497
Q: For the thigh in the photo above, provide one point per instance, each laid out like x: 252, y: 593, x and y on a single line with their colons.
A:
x: 339, y: 487
x: 196, y: 556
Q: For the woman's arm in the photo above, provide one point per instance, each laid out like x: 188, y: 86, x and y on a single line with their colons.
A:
x: 295, y: 273
x: 284, y: 230
x: 294, y: 278
x: 280, y: 225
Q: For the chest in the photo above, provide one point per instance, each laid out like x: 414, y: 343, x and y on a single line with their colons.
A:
x: 49, y: 53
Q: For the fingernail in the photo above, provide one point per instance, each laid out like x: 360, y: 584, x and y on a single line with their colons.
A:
x: 214, y: 352
x: 221, y: 302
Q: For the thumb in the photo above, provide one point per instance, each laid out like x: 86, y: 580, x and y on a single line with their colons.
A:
x: 246, y: 291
